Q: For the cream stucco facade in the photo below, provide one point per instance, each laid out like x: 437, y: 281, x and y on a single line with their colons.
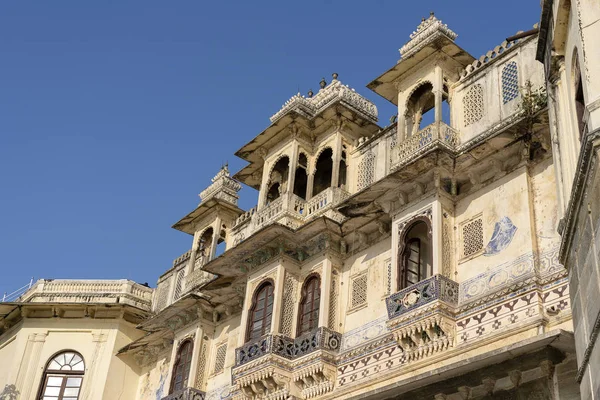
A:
x: 416, y: 260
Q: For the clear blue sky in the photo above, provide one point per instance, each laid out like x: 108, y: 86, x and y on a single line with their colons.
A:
x: 114, y: 115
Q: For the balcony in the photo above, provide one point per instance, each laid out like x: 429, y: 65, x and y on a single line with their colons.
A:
x: 437, y: 135
x: 186, y: 394
x: 120, y: 291
x: 267, y: 366
x: 289, y: 210
x: 421, y: 317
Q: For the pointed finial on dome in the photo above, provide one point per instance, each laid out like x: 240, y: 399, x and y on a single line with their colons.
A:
x: 310, y: 93
x: 335, y: 76
x: 323, y: 83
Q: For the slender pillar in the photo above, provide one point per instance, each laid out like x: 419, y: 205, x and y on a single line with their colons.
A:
x: 309, y: 186
x: 292, y: 168
x: 325, y: 293
x: 262, y: 196
x: 438, y: 90
x: 401, y: 131
x: 336, y: 157
x: 216, y: 234
x: 278, y: 300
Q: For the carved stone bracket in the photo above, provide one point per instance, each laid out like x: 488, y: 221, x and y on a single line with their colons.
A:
x: 316, y: 379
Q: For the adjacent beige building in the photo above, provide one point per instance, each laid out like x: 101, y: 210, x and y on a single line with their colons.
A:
x: 417, y: 260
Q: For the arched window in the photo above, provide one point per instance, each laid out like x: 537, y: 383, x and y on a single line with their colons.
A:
x: 278, y: 179
x: 261, y: 311
x: 63, y: 377
x: 323, y: 171
x: 415, y: 255
x: 181, y: 367
x: 308, y: 314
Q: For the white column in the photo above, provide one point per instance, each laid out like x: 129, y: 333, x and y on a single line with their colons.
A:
x: 262, y: 195
x: 436, y: 233
x: 278, y: 299
x: 30, y: 364
x: 216, y: 234
x: 309, y: 185
x: 195, y: 355
x: 292, y: 168
x: 401, y: 131
x: 438, y: 89
x: 325, y: 293
x: 336, y: 156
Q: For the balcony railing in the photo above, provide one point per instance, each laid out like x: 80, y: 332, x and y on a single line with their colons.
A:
x: 437, y: 287
x: 422, y: 317
x: 89, y: 291
x: 287, y: 208
x: 186, y: 394
x: 434, y: 135
x: 320, y: 339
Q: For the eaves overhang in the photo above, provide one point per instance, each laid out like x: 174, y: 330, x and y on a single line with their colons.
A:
x: 455, y: 56
x: 186, y: 224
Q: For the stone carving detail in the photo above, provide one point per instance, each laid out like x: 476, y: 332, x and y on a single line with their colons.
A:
x: 200, y: 383
x: 220, y: 355
x: 472, y: 237
x: 178, y: 284
x: 430, y: 137
x: 388, y: 276
x: 421, y: 317
x: 427, y: 32
x: 489, y: 56
x: 310, y: 107
x: 358, y: 290
x: 333, y: 304
x: 287, y: 314
x: 473, y: 104
x: 186, y: 394
x: 162, y: 294
x: 223, y: 187
x: 366, y: 171
x: 446, y: 250
x: 315, y: 380
x: 510, y: 82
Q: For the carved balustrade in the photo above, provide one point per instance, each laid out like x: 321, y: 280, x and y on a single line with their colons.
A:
x: 86, y: 291
x: 186, y: 394
x: 435, y: 135
x: 289, y: 210
x: 275, y: 365
x: 421, y: 317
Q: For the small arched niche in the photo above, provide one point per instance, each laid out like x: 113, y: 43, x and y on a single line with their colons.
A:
x: 301, y: 177
x: 323, y: 171
x: 278, y: 179
x: 415, y: 254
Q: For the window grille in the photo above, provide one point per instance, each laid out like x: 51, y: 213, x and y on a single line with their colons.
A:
x: 472, y: 237
x: 221, y: 353
x: 473, y: 104
x: 287, y: 314
x: 366, y: 171
x: 358, y: 291
x: 510, y: 82
x: 178, y: 284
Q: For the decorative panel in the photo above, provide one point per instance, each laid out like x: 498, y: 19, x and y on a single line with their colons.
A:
x: 287, y: 313
x: 178, y: 284
x: 358, y: 291
x: 220, y: 355
x: 333, y: 304
x: 388, y: 277
x: 163, y: 294
x: 473, y: 104
x: 510, y: 82
x: 472, y: 237
x: 366, y: 171
x: 200, y: 383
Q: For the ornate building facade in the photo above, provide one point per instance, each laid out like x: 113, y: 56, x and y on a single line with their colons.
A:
x: 416, y: 260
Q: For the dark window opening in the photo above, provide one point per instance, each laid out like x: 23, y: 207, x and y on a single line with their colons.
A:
x: 300, y: 183
x: 308, y: 314
x: 261, y: 312
x: 181, y: 367
x: 278, y: 179
x: 416, y: 255
x: 579, y: 106
x: 323, y: 171
x: 342, y: 174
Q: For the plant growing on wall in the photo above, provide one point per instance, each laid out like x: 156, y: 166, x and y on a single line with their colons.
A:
x: 533, y: 100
